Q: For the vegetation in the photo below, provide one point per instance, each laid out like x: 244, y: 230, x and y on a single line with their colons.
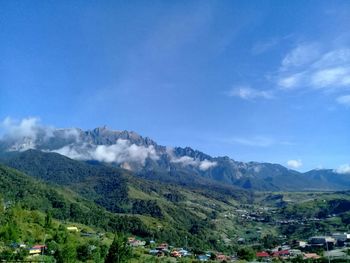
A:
x: 37, y: 207
x: 119, y: 251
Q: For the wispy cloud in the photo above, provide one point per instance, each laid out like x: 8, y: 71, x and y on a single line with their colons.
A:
x: 258, y: 141
x: 344, y: 100
x: 290, y: 81
x: 306, y: 66
x: 300, y: 56
x: 264, y: 46
x: 248, y: 93
x: 331, y: 78
x: 294, y: 164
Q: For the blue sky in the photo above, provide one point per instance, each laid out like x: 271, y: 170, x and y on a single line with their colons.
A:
x: 255, y: 80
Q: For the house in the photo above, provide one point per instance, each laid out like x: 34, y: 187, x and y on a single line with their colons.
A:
x: 37, y: 249
x: 281, y: 254
x: 262, y: 254
x: 322, y: 241
x: 72, y: 228
x: 295, y: 252
x: 137, y: 243
x: 336, y: 253
x: 341, y: 238
x: 162, y: 246
x: 299, y: 243
x: 34, y: 251
x: 184, y: 252
x: 153, y: 251
x: 311, y: 256
x: 221, y: 257
x: 87, y: 234
x: 203, y: 258
x: 175, y: 254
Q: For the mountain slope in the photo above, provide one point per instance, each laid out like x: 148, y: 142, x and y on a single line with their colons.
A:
x: 175, y: 209
x: 63, y: 204
x: 183, y: 166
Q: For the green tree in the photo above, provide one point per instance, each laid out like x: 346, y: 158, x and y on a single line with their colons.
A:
x: 246, y: 253
x: 66, y: 254
x: 9, y: 232
x: 48, y: 219
x: 119, y: 251
x: 270, y: 241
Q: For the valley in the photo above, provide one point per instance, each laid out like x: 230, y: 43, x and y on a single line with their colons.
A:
x: 159, y: 202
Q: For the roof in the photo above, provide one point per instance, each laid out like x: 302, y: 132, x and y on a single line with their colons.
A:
x: 281, y: 253
x: 262, y: 254
x: 311, y: 255
x: 38, y: 246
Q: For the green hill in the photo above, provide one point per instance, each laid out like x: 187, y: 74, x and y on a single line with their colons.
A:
x: 114, y: 199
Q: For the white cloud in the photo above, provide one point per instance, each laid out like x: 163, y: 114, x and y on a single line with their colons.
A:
x: 24, y: 133
x: 343, y: 169
x: 184, y: 160
x: 29, y: 133
x: 190, y: 161
x: 331, y: 77
x: 27, y: 127
x: 71, y: 152
x: 345, y: 100
x: 120, y: 152
x: 206, y: 164
x: 294, y: 164
x: 290, y: 81
x: 247, y: 93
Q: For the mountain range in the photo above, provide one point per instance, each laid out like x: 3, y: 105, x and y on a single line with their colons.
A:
x: 184, y: 166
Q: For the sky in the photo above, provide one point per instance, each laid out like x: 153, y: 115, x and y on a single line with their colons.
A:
x: 265, y: 81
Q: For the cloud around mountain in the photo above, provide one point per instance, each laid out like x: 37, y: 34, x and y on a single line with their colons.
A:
x: 190, y: 161
x: 29, y: 133
x: 120, y: 152
x: 294, y: 164
x: 343, y: 169
x: 74, y: 143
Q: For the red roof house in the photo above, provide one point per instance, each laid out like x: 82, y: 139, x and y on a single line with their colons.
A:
x: 262, y: 254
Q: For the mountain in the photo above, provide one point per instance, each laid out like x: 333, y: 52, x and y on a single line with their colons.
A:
x: 185, y: 166
x: 160, y: 203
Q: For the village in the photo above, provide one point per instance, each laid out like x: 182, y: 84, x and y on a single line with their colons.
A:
x: 331, y: 247
x: 335, y: 246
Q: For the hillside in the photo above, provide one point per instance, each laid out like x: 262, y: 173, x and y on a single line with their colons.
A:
x: 141, y: 210
x: 63, y: 204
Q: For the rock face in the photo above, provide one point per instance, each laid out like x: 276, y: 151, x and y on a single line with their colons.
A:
x: 129, y: 150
